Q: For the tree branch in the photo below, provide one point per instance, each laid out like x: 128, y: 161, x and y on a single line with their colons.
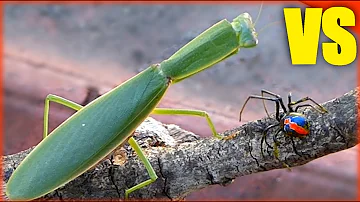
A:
x: 185, y: 162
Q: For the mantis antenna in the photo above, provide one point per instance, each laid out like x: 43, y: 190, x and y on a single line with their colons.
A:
x: 267, y: 26
x: 257, y: 18
x: 261, y: 30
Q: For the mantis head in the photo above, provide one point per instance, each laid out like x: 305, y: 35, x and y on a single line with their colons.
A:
x: 245, y: 29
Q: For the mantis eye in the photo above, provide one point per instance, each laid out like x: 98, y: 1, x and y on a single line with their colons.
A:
x: 250, y: 43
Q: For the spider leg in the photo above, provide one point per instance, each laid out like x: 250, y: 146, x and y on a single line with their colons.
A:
x: 263, y: 138
x: 276, y: 151
x: 306, y: 105
x: 276, y: 135
x: 321, y: 110
x: 266, y: 131
x: 268, y: 150
x: 293, y: 145
x: 261, y: 145
x: 276, y: 100
x: 275, y: 95
x: 276, y: 144
x: 250, y: 150
x: 289, y: 103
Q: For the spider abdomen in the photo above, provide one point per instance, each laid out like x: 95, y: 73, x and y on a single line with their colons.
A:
x: 295, y: 124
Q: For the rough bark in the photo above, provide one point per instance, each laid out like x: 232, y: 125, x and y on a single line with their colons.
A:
x: 185, y: 162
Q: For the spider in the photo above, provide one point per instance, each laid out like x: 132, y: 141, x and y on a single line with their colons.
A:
x: 290, y: 122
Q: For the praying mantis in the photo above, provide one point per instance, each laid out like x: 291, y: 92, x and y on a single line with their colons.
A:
x: 96, y: 129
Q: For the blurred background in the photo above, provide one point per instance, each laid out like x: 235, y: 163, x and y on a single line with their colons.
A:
x: 81, y: 51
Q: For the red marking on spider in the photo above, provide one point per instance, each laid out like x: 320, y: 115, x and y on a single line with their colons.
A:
x: 294, y: 126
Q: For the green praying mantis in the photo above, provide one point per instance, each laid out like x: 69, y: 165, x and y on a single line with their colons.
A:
x: 96, y: 129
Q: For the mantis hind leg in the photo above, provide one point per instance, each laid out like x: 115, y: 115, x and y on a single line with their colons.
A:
x: 59, y: 100
x: 132, y: 142
x: 148, y: 167
x: 186, y: 112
